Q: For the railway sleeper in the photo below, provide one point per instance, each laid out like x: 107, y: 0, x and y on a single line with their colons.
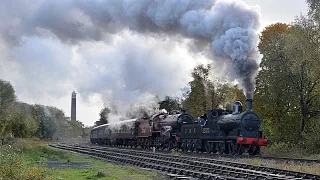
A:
x: 125, y: 156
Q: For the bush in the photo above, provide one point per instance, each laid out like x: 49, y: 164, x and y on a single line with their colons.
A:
x: 11, y: 166
x: 311, y: 138
x: 283, y: 149
x: 14, y: 166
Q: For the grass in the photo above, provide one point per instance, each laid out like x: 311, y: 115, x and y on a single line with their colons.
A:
x: 289, y: 150
x: 108, y: 170
x: 23, y: 159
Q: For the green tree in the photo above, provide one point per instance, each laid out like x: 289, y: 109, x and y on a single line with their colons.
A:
x: 7, y: 100
x: 77, y: 128
x: 206, y: 94
x: 104, y: 114
x: 314, y: 10
x: 22, y: 122
x: 196, y: 101
x: 169, y: 104
x: 46, y: 121
x: 303, y: 50
x: 218, y: 93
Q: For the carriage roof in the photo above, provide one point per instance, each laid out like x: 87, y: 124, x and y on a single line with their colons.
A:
x: 115, y: 123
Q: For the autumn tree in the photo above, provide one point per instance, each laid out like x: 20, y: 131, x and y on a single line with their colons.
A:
x: 287, y: 91
x: 275, y: 95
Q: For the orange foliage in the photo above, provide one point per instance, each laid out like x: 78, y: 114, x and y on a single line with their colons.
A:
x: 272, y: 31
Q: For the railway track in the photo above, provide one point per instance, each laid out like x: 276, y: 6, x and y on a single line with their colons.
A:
x: 205, y: 155
x: 202, y: 168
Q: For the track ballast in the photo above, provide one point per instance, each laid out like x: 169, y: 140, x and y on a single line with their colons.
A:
x: 202, y: 168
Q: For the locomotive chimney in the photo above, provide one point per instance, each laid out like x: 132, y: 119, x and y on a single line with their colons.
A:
x: 249, y: 104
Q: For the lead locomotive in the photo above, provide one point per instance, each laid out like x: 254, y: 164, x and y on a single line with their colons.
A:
x: 217, y: 131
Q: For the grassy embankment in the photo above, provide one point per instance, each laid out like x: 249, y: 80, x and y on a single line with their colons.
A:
x: 27, y: 159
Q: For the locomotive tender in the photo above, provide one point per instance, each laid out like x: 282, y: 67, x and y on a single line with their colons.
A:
x: 217, y: 131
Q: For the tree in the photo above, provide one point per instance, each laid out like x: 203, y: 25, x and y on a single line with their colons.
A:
x: 77, y: 128
x: 288, y: 84
x: 7, y: 100
x: 22, y: 122
x: 169, y: 104
x: 103, y: 117
x: 45, y: 117
x: 196, y: 102
x: 239, y: 96
x: 314, y: 10
x: 303, y: 50
x: 275, y: 94
x: 206, y: 94
x: 18, y: 119
x: 219, y: 93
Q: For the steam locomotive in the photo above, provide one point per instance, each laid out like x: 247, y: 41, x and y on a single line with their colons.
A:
x: 216, y: 131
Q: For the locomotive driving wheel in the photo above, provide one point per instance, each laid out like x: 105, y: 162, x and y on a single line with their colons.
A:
x: 240, y: 149
x: 192, y: 144
x: 189, y: 145
x: 184, y: 145
x: 208, y: 147
x: 198, y: 146
x: 221, y: 148
x: 254, y: 150
x: 233, y: 147
x: 170, y: 144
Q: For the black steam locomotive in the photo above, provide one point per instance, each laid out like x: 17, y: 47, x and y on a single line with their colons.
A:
x: 217, y: 131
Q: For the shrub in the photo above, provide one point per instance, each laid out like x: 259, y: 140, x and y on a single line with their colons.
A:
x: 14, y: 167
x: 283, y: 149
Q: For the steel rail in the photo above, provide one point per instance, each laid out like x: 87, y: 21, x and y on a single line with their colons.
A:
x: 175, y: 164
x: 229, y: 163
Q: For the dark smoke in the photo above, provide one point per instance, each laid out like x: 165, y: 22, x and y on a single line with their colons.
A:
x: 230, y: 26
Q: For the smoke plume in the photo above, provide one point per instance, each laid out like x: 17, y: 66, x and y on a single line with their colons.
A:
x: 228, y: 27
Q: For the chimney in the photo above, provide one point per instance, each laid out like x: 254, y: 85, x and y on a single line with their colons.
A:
x: 249, y: 104
x: 73, y: 106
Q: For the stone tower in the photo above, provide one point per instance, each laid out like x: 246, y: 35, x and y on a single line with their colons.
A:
x: 73, y: 106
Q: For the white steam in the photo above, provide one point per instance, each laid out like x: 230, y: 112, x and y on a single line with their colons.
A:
x: 152, y: 61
